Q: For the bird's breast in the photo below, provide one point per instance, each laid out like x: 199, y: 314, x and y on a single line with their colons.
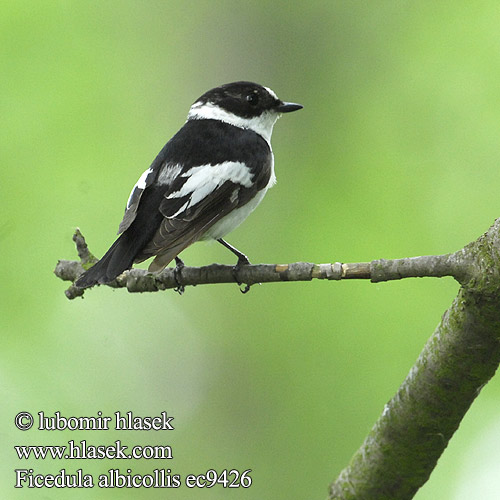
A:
x: 234, y: 218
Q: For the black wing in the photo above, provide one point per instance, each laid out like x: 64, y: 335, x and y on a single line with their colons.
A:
x: 195, y: 181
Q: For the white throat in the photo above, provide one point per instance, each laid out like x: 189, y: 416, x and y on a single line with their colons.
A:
x: 262, y: 125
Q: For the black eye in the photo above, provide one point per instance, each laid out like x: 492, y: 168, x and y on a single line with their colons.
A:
x: 253, y: 98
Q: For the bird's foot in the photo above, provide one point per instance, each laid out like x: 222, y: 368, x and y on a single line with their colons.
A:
x: 242, y: 261
x: 179, y: 265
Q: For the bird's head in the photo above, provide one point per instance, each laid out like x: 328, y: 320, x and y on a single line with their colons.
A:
x: 242, y: 104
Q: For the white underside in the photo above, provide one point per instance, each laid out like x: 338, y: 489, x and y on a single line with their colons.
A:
x: 234, y: 219
x: 238, y: 215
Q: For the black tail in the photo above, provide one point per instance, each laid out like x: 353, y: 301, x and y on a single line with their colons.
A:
x: 130, y: 244
x: 117, y: 259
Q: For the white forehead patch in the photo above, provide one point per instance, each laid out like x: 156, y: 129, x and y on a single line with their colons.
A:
x: 271, y: 92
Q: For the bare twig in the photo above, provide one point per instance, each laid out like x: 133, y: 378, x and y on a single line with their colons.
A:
x: 139, y: 280
x: 415, y: 427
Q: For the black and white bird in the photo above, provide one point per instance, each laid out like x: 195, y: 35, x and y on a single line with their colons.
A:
x: 204, y: 182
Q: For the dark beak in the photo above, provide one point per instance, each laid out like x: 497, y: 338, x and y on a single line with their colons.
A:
x: 287, y: 107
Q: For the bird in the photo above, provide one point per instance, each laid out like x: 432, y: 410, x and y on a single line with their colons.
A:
x: 203, y: 184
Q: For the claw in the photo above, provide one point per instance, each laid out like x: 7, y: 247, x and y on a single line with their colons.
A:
x: 179, y: 265
x: 242, y: 261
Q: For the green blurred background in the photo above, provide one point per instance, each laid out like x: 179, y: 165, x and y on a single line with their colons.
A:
x: 395, y: 154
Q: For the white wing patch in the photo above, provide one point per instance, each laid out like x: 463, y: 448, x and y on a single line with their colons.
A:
x: 140, y: 185
x: 168, y: 174
x: 204, y: 179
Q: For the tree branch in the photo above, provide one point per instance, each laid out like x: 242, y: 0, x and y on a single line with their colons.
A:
x: 415, y: 427
x: 139, y: 280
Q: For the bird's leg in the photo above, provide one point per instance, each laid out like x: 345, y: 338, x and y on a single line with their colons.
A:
x: 242, y: 258
x: 242, y: 261
x: 179, y: 265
